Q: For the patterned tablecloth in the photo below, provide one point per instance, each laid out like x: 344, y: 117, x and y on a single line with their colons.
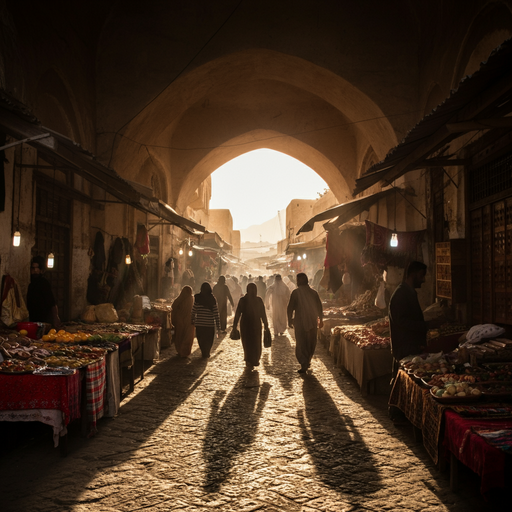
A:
x: 53, y: 400
x: 95, y: 385
x: 474, y: 451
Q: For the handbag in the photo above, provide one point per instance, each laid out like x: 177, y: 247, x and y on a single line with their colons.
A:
x: 235, y: 334
x: 267, y: 338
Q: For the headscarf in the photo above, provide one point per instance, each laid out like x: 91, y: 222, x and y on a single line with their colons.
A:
x: 181, y: 299
x: 205, y: 298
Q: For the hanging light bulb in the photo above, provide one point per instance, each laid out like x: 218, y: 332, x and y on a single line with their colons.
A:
x: 394, y: 240
x: 128, y: 259
x: 190, y: 253
x: 181, y: 252
x: 298, y: 258
x: 16, y: 239
x: 51, y: 260
x: 304, y: 256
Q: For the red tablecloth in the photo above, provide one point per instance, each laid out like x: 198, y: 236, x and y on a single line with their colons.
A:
x: 473, y: 450
x: 62, y: 392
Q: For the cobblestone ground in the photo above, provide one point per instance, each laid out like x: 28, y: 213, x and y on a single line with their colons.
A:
x: 200, y: 435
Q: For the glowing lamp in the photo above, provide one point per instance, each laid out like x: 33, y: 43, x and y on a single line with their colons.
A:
x: 394, y: 240
x: 298, y: 258
x: 128, y: 260
x: 190, y: 253
x: 304, y: 256
x: 181, y: 252
x: 51, y: 260
x: 16, y: 239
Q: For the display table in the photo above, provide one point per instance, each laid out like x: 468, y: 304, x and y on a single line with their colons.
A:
x: 53, y: 400
x: 449, y: 427
x: 473, y: 450
x: 370, y: 368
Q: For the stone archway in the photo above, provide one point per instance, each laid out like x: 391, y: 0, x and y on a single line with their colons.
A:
x: 255, y: 99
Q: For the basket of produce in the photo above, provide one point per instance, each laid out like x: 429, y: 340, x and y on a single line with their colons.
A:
x: 456, y: 392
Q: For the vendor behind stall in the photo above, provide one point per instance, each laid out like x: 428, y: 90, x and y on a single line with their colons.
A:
x: 406, y: 323
x: 41, y: 303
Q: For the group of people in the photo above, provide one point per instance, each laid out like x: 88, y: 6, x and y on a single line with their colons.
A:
x: 200, y: 315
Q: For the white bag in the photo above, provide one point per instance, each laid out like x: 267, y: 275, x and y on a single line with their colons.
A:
x: 105, y: 313
x: 380, y: 299
x: 481, y: 331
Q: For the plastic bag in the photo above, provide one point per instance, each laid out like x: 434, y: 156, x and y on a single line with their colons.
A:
x: 106, y: 313
x: 13, y: 306
x: 380, y: 299
x: 267, y: 338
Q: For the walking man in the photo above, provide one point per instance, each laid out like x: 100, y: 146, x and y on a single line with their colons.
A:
x: 307, y: 306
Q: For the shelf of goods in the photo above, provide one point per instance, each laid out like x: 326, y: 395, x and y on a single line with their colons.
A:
x: 70, y: 374
x: 365, y: 353
x: 463, y: 412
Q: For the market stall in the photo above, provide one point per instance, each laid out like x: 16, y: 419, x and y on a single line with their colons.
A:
x: 464, y: 411
x: 365, y: 354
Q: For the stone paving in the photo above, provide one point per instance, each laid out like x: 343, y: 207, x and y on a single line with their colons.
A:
x: 201, y: 435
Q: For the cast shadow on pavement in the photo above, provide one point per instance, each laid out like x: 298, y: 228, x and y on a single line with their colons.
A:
x: 280, y: 361
x: 174, y: 380
x: 231, y: 429
x: 325, y: 431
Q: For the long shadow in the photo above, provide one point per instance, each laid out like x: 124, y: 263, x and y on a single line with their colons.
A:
x: 231, y: 429
x: 376, y: 405
x: 280, y: 362
x: 341, y: 457
x: 34, y: 471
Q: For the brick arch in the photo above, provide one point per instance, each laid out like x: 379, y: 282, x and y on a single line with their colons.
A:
x: 284, y: 144
x: 160, y: 125
x: 490, y: 27
x: 56, y: 106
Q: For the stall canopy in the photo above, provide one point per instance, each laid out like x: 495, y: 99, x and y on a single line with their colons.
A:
x: 17, y: 121
x: 346, y: 211
x: 302, y: 246
x: 481, y: 102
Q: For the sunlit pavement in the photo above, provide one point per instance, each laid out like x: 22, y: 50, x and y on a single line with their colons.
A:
x: 201, y: 435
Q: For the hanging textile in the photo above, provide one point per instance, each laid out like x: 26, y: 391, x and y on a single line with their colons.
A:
x: 378, y: 251
x: 142, y: 242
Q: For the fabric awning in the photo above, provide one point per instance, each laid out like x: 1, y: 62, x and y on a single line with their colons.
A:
x: 17, y: 121
x: 346, y: 211
x: 303, y: 246
x: 482, y: 101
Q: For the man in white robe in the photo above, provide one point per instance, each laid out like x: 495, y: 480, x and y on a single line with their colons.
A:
x: 276, y: 300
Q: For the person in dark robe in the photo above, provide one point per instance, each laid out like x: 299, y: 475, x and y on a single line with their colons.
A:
x: 222, y: 294
x: 205, y: 316
x: 41, y: 303
x: 262, y: 288
x: 307, y: 306
x: 251, y: 313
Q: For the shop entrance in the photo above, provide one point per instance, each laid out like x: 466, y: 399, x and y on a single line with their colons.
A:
x: 53, y: 234
x: 490, y: 191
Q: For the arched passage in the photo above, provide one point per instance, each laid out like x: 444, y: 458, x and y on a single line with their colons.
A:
x: 278, y: 142
x: 256, y: 99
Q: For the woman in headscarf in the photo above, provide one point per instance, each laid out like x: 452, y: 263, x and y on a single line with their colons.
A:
x: 205, y: 316
x: 180, y: 317
x: 251, y: 312
x: 277, y: 299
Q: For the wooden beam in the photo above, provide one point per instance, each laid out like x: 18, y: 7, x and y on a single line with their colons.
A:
x: 480, y: 124
x: 495, y: 92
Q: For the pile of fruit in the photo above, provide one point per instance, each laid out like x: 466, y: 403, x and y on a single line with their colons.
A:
x: 455, y: 390
x: 363, y: 337
x: 65, y: 337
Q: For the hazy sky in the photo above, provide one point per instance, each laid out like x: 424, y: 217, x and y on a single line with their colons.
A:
x: 256, y: 185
